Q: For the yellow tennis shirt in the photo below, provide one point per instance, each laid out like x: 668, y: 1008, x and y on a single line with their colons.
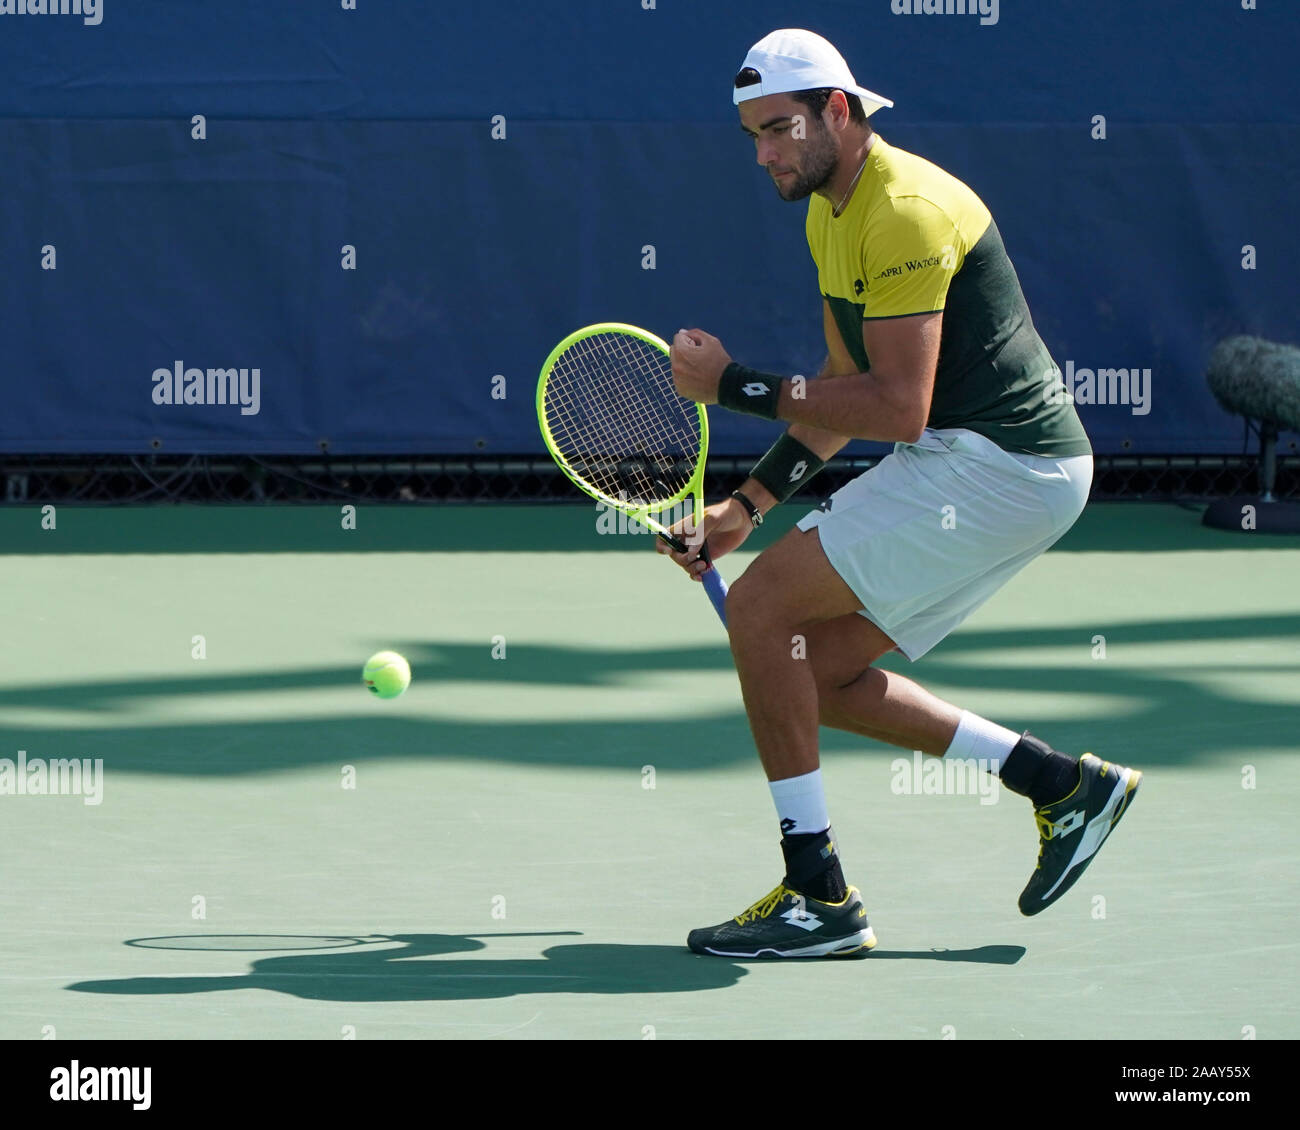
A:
x: 915, y: 240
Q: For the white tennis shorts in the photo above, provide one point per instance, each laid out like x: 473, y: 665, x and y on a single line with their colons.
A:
x: 938, y: 526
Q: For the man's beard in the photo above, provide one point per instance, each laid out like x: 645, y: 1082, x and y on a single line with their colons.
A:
x: 820, y: 163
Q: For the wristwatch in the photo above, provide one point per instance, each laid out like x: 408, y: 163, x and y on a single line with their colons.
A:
x: 755, y: 515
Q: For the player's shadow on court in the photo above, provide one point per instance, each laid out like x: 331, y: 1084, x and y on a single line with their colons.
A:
x: 414, y: 973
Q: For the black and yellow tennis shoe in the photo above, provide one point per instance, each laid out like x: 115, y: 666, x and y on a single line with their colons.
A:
x: 1072, y: 830
x: 788, y: 924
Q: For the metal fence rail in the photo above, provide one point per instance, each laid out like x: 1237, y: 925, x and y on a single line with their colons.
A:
x: 122, y: 479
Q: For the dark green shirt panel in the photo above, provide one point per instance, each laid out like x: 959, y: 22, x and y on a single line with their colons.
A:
x: 994, y: 369
x: 848, y: 317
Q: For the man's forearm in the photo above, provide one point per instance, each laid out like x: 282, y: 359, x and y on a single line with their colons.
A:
x: 860, y: 406
x: 826, y: 444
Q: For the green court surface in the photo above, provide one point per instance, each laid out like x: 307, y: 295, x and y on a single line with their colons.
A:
x: 517, y: 847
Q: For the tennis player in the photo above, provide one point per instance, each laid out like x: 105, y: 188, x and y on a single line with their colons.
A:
x: 931, y: 347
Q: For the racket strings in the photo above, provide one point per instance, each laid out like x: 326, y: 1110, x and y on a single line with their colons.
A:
x: 617, y: 421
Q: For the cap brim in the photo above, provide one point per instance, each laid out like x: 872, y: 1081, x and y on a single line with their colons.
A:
x: 871, y: 102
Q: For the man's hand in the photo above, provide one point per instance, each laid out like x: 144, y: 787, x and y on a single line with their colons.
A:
x: 724, y: 525
x: 698, y: 360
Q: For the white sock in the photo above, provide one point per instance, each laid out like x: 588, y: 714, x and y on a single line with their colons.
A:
x: 983, y: 740
x: 800, y: 804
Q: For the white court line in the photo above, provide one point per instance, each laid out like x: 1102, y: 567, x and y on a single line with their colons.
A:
x: 494, y: 1035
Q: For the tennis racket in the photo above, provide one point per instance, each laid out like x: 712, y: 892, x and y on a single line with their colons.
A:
x: 616, y: 426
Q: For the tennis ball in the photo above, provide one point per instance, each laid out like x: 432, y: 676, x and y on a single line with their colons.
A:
x: 386, y: 674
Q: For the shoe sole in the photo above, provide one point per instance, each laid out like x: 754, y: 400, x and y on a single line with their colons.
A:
x: 836, y: 947
x: 1095, y: 835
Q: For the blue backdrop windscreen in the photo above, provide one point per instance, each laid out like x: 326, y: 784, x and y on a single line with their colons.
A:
x: 361, y: 225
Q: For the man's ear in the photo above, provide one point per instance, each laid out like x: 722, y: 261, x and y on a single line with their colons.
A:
x: 836, y: 113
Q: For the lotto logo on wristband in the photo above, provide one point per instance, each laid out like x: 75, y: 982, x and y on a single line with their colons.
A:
x: 799, y: 469
x: 749, y: 391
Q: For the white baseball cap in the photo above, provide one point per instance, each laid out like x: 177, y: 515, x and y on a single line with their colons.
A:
x: 794, y: 59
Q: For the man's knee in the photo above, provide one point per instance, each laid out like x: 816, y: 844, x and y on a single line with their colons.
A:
x: 842, y: 679
x: 849, y: 701
x: 752, y: 603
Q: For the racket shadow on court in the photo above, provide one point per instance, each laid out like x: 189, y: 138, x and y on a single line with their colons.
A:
x: 357, y: 969
x: 981, y: 955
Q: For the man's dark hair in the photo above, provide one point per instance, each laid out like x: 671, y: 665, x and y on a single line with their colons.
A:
x: 815, y: 100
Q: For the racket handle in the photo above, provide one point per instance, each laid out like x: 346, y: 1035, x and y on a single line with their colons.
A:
x: 716, y: 587
x: 712, y: 580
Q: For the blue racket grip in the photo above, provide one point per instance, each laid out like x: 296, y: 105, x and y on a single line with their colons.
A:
x: 712, y: 580
x: 715, y: 586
